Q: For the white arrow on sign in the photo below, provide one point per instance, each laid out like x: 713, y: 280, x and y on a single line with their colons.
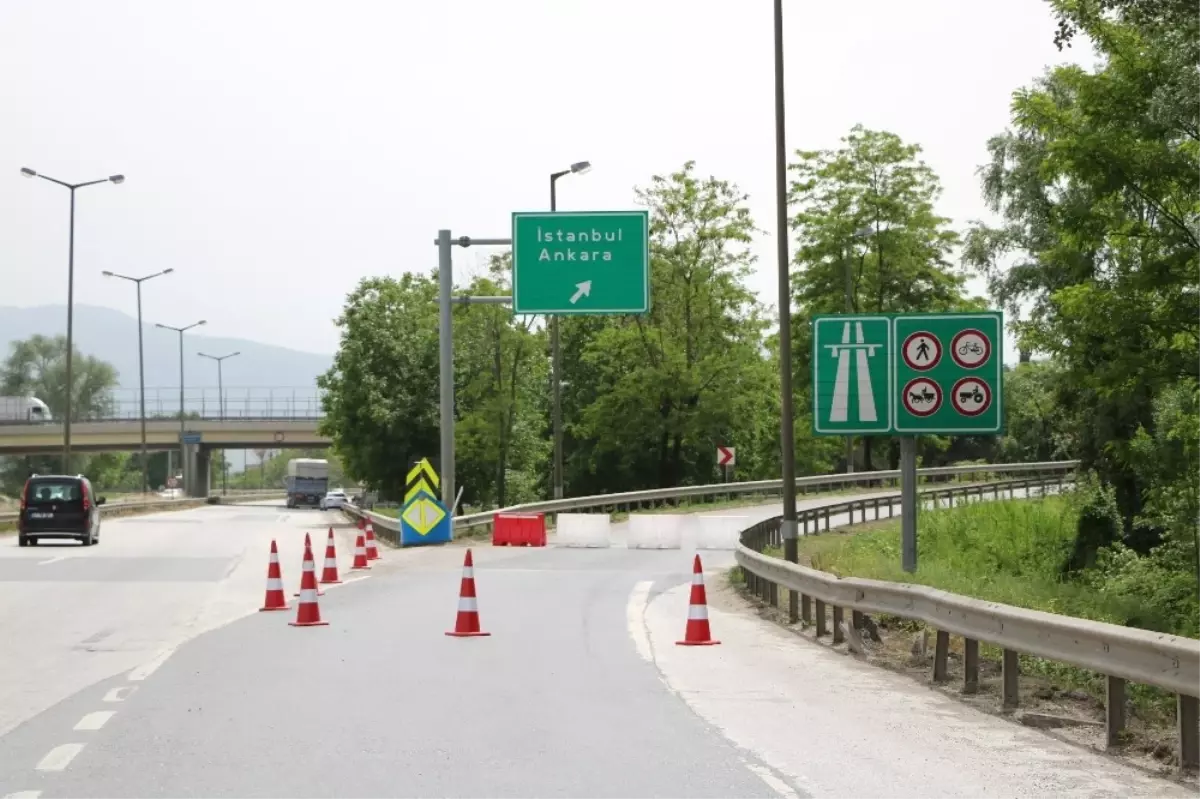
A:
x: 581, y: 290
x: 725, y: 456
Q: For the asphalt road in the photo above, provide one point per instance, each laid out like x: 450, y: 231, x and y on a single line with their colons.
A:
x: 579, y: 691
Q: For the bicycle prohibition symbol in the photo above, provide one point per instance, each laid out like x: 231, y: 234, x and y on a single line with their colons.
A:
x: 970, y: 348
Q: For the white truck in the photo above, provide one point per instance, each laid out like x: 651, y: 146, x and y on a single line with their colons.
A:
x: 17, y: 410
x: 307, y: 481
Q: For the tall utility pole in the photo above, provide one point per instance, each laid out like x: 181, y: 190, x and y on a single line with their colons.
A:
x: 138, y: 281
x: 70, y: 388
x: 221, y: 412
x: 577, y: 168
x: 182, y: 446
x: 787, y: 435
x: 850, y: 310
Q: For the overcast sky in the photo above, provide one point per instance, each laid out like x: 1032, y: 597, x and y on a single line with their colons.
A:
x: 277, y: 152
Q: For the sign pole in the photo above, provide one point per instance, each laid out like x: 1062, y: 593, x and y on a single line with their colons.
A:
x: 446, y: 362
x: 908, y: 503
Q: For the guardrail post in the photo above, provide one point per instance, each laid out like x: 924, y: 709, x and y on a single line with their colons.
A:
x: 1011, y: 668
x: 806, y: 608
x: 970, y: 666
x: 1114, y: 710
x: 1187, y: 717
x: 838, y: 635
x: 856, y: 619
x: 941, y: 652
x: 821, y: 629
x: 827, y: 520
x: 774, y: 599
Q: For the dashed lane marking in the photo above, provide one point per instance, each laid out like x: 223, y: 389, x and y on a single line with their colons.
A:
x: 146, y: 669
x: 59, y: 757
x: 23, y: 795
x: 94, y: 721
x: 55, y: 559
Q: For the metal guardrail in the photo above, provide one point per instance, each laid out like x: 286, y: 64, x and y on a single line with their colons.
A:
x: 159, y: 505
x: 1120, y: 653
x: 634, y: 500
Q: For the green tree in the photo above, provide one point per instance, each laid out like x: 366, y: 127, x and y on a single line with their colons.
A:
x: 868, y: 241
x: 380, y: 395
x: 651, y: 397
x: 37, y: 367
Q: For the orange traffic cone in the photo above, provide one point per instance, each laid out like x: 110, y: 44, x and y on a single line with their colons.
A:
x: 372, y: 547
x: 308, y: 614
x: 329, y: 574
x: 466, y: 625
x: 697, y: 633
x: 275, y: 599
x: 308, y: 548
x: 362, y: 523
x: 360, y: 555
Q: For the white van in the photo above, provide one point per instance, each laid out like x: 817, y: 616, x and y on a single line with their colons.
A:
x: 23, y: 409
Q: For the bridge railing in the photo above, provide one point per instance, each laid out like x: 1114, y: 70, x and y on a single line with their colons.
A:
x: 208, y: 402
x: 636, y: 500
x: 1119, y: 653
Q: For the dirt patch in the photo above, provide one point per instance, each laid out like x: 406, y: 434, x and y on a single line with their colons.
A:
x: 905, y: 647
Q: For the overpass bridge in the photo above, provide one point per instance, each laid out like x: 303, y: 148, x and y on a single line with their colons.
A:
x: 200, y: 438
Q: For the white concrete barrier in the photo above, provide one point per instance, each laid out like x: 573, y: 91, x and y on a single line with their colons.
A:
x: 582, y: 529
x: 655, y: 531
x: 719, y: 532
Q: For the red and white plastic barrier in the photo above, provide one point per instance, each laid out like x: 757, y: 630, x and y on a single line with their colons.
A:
x: 519, y: 530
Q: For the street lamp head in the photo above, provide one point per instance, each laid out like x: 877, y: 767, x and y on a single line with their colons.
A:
x: 164, y: 327
x: 201, y: 322
x: 230, y: 355
x: 107, y: 273
x: 118, y: 179
x: 168, y: 270
x: 580, y: 167
x: 27, y: 172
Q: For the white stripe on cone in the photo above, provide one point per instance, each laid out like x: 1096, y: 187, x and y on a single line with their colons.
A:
x: 467, y: 604
x: 308, y: 596
x: 330, y: 563
x: 698, y: 578
x: 274, y: 584
x: 469, y: 572
x: 697, y: 613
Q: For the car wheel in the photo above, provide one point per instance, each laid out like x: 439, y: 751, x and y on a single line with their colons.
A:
x: 86, y: 540
x: 22, y: 541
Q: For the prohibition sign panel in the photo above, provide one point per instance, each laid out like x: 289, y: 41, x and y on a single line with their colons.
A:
x: 973, y: 341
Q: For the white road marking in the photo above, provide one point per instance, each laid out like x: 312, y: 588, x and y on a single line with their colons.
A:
x: 120, y: 693
x: 774, y: 783
x: 146, y: 669
x: 635, y: 619
x: 94, y: 721
x: 23, y: 795
x: 55, y: 559
x: 59, y: 757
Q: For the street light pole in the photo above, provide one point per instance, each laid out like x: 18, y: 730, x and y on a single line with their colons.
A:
x: 138, y: 281
x: 578, y: 168
x: 221, y: 406
x: 182, y: 450
x: 70, y: 388
x: 787, y: 435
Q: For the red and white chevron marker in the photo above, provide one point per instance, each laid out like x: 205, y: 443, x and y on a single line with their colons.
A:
x: 697, y: 633
x: 329, y: 574
x: 308, y: 614
x: 372, y: 547
x: 275, y: 599
x: 466, y: 624
x: 360, y: 555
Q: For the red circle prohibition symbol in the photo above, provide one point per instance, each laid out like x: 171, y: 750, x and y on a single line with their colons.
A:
x: 937, y: 351
x: 919, y: 400
x: 980, y: 392
x: 969, y: 355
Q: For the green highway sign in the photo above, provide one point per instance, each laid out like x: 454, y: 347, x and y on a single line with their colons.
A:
x: 850, y: 375
x: 908, y: 374
x: 586, y: 262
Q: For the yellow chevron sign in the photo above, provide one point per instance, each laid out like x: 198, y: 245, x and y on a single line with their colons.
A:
x: 421, y: 477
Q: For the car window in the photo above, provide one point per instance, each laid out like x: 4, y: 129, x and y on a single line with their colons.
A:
x: 43, y: 491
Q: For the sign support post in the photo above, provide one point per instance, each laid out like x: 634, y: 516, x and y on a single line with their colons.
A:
x: 908, y: 503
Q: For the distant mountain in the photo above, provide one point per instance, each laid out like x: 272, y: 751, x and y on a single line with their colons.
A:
x: 112, y: 336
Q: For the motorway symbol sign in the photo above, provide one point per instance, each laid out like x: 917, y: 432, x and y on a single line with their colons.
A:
x: 971, y: 396
x: 725, y: 456
x: 191, y: 438
x: 921, y: 397
x: 970, y: 348
x: 850, y: 374
x: 921, y: 351
x: 969, y: 382
x: 567, y: 262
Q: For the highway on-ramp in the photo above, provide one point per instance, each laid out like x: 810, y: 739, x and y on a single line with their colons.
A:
x: 579, y: 691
